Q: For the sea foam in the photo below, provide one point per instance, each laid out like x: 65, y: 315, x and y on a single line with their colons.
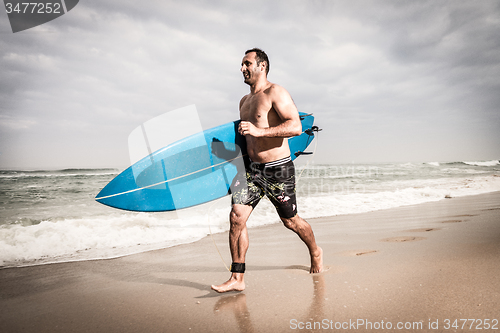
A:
x: 54, y: 218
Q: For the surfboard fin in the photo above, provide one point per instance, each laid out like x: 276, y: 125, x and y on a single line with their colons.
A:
x: 312, y: 129
x: 297, y: 154
x: 309, y: 132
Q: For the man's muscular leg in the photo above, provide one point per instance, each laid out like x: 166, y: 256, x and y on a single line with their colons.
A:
x: 238, y: 244
x: 304, y: 231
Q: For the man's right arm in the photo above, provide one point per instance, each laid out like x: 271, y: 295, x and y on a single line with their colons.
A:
x: 242, y: 101
x: 287, y: 111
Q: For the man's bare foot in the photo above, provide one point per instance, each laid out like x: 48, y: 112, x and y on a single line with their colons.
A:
x: 317, y: 262
x: 233, y: 284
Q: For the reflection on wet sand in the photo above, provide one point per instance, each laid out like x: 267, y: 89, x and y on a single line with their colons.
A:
x: 318, y: 299
x: 238, y: 305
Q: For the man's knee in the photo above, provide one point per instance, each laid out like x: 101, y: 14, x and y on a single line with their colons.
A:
x: 290, y: 223
x: 235, y: 218
x: 295, y: 223
x: 238, y: 216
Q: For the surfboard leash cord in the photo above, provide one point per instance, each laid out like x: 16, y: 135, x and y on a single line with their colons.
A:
x: 211, y: 236
x: 311, y: 130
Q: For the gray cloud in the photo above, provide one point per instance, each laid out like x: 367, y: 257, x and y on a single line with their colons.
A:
x: 388, y: 81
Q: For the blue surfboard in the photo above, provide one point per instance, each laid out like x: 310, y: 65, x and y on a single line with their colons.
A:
x: 192, y: 171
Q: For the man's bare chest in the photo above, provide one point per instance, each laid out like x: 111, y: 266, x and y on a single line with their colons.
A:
x: 256, y: 107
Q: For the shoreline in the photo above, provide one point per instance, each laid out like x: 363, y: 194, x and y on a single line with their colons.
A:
x: 420, y: 264
x: 54, y: 219
x: 155, y: 247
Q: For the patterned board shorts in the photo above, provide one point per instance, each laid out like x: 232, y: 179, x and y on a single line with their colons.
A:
x: 275, y: 179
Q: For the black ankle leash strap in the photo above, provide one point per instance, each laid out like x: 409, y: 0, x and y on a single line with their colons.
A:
x: 237, y: 267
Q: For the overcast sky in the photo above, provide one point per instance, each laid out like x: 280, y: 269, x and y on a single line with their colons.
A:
x: 388, y: 81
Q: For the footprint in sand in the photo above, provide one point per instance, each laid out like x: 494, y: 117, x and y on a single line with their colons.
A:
x: 357, y: 253
x: 362, y: 253
x: 402, y: 239
x: 452, y: 221
x: 456, y: 218
x: 424, y: 229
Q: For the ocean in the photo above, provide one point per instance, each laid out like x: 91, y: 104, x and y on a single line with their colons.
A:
x: 49, y: 216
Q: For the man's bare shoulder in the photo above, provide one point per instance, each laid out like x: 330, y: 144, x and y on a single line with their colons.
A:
x: 243, y: 100
x: 275, y: 91
x: 279, y: 96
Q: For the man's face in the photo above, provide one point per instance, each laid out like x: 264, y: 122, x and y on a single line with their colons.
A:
x: 251, y: 72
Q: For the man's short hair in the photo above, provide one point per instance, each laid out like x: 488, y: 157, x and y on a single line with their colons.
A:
x: 260, y: 56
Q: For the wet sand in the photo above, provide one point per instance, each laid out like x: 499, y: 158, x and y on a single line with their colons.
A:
x: 418, y: 267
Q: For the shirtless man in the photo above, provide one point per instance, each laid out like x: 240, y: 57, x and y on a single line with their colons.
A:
x: 268, y: 117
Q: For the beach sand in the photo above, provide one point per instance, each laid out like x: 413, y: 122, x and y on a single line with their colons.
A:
x: 420, y: 267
